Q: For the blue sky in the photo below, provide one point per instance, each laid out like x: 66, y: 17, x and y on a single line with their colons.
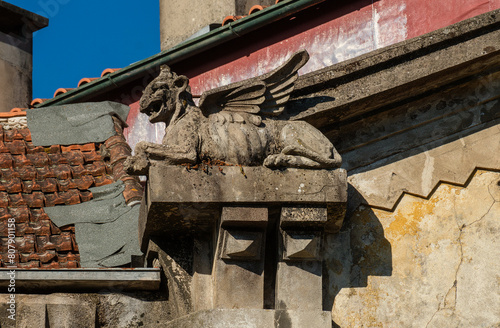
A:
x: 84, y: 37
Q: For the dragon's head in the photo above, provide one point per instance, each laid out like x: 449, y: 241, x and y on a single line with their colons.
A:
x: 164, y: 95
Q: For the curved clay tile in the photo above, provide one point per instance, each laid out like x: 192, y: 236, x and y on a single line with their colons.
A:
x: 37, y: 101
x: 60, y: 91
x: 86, y: 80
x: 256, y: 8
x: 14, y: 112
x: 230, y: 19
x: 278, y: 1
x: 109, y: 71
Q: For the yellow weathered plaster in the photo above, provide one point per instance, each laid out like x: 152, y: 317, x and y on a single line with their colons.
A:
x: 428, y: 263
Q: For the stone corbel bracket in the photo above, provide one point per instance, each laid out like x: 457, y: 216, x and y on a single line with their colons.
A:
x: 248, y: 238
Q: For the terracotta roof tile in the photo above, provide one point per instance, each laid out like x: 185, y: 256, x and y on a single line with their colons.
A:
x: 37, y: 101
x: 256, y: 8
x: 230, y: 19
x: 86, y: 80
x: 109, y: 71
x: 33, y: 177
x: 14, y: 112
x: 60, y: 91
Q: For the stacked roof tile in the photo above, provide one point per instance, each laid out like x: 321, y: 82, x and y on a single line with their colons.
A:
x: 34, y: 177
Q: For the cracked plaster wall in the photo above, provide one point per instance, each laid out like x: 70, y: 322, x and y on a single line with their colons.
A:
x: 428, y: 263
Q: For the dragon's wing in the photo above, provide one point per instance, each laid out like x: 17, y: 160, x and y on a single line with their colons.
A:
x: 264, y: 95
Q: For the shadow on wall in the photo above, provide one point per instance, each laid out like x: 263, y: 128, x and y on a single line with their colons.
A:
x: 359, y: 250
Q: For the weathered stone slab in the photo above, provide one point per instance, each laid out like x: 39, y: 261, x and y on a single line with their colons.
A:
x: 181, y: 200
x: 226, y: 318
x: 235, y: 184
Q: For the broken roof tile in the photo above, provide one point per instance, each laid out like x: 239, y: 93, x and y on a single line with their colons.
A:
x: 74, y: 157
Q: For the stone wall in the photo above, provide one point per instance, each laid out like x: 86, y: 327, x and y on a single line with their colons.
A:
x: 430, y: 262
x: 107, y: 309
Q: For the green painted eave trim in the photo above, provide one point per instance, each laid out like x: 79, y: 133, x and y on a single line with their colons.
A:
x: 181, y: 51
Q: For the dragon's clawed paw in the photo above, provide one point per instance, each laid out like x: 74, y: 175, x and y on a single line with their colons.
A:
x: 137, y: 165
x: 277, y: 160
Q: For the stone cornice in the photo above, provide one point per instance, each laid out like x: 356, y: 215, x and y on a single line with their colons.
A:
x: 358, y: 87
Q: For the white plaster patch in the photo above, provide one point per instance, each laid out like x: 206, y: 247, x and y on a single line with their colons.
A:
x: 334, y: 46
x: 12, y: 123
x: 389, y: 24
x: 143, y: 130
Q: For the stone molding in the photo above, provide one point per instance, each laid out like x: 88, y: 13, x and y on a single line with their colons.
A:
x: 453, y: 163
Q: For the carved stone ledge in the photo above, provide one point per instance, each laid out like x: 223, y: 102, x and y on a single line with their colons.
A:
x: 179, y: 200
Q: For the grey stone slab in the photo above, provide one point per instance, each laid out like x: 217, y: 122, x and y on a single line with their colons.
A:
x: 244, y: 216
x: 75, y: 123
x: 180, y: 200
x: 305, y: 217
x: 253, y: 318
x: 235, y: 184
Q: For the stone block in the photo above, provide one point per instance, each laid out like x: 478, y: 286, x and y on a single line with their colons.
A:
x: 244, y: 217
x: 299, y: 285
x: 304, y: 217
x: 242, y: 245
x: 300, y: 246
x: 237, y: 318
x: 238, y: 273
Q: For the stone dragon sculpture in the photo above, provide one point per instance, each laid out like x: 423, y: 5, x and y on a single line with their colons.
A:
x: 238, y: 124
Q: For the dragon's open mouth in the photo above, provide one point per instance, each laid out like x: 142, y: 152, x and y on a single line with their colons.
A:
x: 152, y: 107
